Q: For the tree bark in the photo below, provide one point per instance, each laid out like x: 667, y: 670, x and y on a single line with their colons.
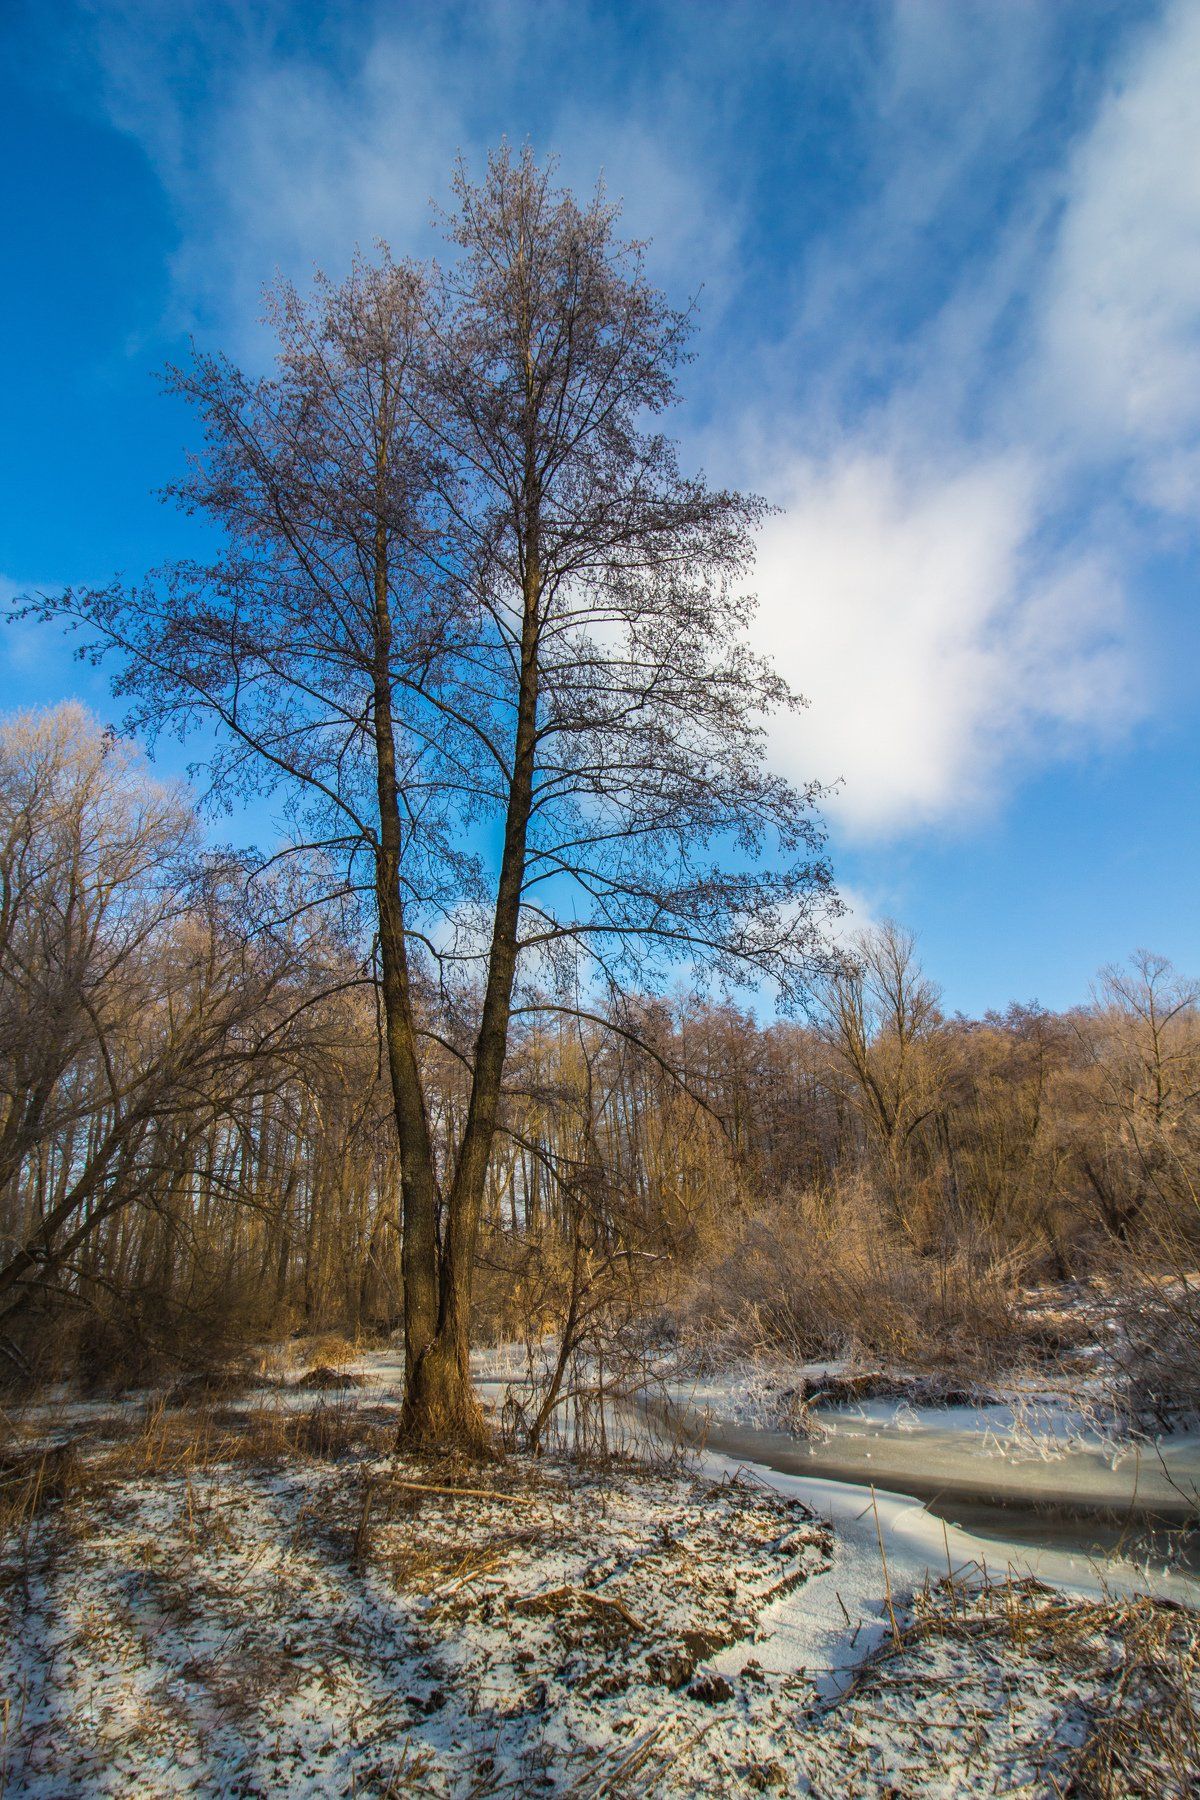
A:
x: 418, y: 1178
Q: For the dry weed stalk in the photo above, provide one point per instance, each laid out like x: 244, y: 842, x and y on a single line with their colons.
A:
x: 1142, y: 1734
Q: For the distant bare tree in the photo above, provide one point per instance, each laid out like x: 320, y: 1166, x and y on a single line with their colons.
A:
x: 880, y: 1016
x: 490, y: 639
x: 133, y: 1003
x: 88, y: 849
x: 1143, y: 1044
x: 197, y: 1126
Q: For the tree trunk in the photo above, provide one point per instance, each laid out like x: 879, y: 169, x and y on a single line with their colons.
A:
x: 440, y: 1404
x: 418, y: 1179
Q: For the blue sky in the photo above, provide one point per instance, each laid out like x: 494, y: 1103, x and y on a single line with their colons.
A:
x: 948, y: 264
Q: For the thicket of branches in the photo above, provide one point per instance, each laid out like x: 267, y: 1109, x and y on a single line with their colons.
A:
x: 198, y: 1146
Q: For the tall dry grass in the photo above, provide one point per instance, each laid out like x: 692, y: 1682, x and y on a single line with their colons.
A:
x: 821, y: 1274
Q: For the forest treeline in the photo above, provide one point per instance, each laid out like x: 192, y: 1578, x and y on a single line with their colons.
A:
x: 198, y: 1147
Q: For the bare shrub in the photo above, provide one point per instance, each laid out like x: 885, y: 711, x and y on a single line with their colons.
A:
x: 325, y: 1379
x: 1156, y: 1312
x: 822, y: 1274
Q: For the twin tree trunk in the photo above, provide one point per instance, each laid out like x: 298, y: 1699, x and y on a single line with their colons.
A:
x: 440, y: 1406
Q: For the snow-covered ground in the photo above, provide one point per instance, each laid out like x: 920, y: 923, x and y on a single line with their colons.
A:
x: 323, y: 1629
x: 263, y: 1601
x: 259, y: 1598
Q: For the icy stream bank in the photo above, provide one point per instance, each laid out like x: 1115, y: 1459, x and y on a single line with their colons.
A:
x: 1040, y: 1512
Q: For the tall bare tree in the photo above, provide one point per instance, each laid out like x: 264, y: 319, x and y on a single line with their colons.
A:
x: 488, y: 636
x: 880, y: 1016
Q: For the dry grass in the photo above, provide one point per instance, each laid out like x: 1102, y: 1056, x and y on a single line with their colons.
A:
x: 1136, y: 1664
x: 329, y: 1349
x: 820, y: 1275
x: 1147, y: 1742
x: 168, y: 1441
x: 35, y: 1480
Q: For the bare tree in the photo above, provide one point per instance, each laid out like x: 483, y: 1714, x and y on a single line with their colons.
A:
x: 880, y: 1017
x: 489, y: 637
x: 134, y: 1001
x: 88, y: 846
x: 1142, y: 1040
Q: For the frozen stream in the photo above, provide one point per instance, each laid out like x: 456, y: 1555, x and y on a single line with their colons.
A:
x: 988, y: 1466
x: 1031, y: 1491
x: 936, y: 1489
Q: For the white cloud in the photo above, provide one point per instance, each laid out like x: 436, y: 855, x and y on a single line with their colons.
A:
x: 284, y: 154
x: 1117, y: 360
x: 1023, y: 318
x: 861, y: 912
x: 934, y: 646
x: 917, y: 589
x: 276, y: 161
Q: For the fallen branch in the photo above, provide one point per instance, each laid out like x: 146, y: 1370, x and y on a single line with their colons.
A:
x: 545, y: 1603
x: 466, y: 1493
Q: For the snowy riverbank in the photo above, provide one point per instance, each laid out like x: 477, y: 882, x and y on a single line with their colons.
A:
x: 255, y: 1596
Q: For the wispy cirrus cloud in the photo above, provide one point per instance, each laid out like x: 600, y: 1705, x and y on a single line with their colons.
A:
x: 1115, y: 362
x: 281, y: 151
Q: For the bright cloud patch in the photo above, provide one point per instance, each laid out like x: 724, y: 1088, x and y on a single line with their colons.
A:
x: 930, y: 643
x: 916, y: 594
